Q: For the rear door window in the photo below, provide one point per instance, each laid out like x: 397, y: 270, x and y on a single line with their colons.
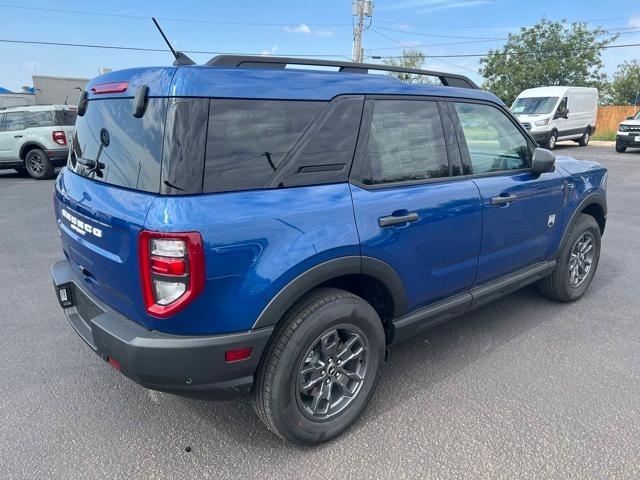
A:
x: 248, y: 139
x: 406, y: 143
x: 14, y: 121
x: 43, y: 118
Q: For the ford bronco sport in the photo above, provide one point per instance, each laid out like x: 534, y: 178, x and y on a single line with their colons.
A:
x: 244, y: 228
x: 33, y: 139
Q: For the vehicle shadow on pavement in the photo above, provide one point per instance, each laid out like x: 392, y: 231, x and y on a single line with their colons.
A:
x: 413, y: 367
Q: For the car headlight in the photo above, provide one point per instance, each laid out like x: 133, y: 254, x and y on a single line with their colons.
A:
x: 541, y: 123
x: 623, y: 128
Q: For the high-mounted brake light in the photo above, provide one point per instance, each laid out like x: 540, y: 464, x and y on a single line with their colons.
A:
x: 171, y: 270
x: 114, y: 87
x: 59, y: 137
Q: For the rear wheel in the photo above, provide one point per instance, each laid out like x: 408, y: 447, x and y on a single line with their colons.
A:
x: 620, y: 148
x: 321, y: 367
x: 584, y: 140
x: 38, y: 165
x: 576, y: 263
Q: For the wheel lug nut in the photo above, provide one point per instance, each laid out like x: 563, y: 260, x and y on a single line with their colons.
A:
x: 328, y: 381
x: 339, y: 362
x: 337, y: 375
x: 323, y: 373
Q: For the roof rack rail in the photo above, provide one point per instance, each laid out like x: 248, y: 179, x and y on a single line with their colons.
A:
x: 264, y: 61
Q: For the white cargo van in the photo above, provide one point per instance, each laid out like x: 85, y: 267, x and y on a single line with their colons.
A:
x: 553, y: 114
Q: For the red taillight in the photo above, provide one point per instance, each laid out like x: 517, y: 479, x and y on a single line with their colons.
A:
x: 115, y: 87
x: 114, y: 363
x: 59, y: 137
x: 237, y: 354
x: 171, y: 269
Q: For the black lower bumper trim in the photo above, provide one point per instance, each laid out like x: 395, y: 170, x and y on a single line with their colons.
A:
x: 188, y: 365
x: 628, y: 141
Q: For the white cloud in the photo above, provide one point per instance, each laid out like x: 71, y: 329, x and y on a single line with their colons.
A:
x: 306, y: 30
x: 424, y: 6
x: 635, y: 21
x: 302, y: 28
x: 273, y: 51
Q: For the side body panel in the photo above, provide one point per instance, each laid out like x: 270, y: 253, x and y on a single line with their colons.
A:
x: 255, y: 242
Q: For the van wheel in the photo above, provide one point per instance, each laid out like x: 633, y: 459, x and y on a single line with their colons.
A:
x: 620, y: 148
x: 584, y: 140
x: 321, y: 367
x: 38, y: 165
x: 576, y: 263
x: 551, y: 143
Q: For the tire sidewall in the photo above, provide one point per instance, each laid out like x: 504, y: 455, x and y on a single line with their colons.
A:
x: 583, y: 224
x: 553, y: 140
x: 287, y: 415
x: 48, y: 167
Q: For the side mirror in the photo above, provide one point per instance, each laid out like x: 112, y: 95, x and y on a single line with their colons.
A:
x: 543, y: 161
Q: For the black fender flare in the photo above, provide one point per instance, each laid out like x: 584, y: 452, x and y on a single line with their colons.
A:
x: 30, y: 143
x: 328, y: 270
x: 597, y: 198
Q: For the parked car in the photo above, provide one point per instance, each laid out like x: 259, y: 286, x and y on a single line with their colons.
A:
x: 245, y: 228
x: 34, y: 139
x: 554, y: 114
x: 628, y: 134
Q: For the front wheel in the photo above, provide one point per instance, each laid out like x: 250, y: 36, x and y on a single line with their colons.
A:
x: 321, y: 367
x: 620, y: 148
x: 551, y: 143
x: 38, y: 165
x: 576, y: 263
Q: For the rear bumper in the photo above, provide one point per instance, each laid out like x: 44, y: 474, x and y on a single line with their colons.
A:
x: 628, y: 140
x: 57, y: 156
x: 193, y: 366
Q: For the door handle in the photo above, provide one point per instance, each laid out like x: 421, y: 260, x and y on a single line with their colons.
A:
x: 504, y: 199
x: 17, y: 136
x: 396, y: 219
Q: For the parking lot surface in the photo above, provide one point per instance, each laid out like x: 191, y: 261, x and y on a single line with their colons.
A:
x: 521, y: 388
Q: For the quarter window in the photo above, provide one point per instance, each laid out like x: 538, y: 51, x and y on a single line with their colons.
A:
x: 248, y: 139
x: 14, y: 121
x: 493, y: 142
x: 43, y: 118
x: 406, y: 143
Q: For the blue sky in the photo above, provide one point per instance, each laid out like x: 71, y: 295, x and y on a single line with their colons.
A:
x: 300, y: 27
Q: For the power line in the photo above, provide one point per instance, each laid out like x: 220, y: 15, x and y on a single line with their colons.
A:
x: 463, y: 55
x: 185, y: 20
x: 489, y: 27
x: 142, y: 49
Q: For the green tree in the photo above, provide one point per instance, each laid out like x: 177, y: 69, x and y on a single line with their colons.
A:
x: 546, y: 54
x: 625, y: 88
x: 410, y: 59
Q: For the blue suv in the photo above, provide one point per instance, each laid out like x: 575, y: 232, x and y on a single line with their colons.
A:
x: 244, y: 227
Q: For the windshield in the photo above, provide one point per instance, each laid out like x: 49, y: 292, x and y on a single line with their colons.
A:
x: 637, y: 117
x: 533, y: 105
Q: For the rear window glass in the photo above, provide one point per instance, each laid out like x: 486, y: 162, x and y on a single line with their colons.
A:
x: 66, y: 118
x: 111, y: 145
x: 40, y: 119
x: 248, y: 139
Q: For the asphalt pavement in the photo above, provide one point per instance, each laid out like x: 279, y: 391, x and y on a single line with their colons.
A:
x: 521, y: 388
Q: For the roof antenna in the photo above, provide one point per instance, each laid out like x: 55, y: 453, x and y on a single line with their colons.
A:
x: 181, y: 58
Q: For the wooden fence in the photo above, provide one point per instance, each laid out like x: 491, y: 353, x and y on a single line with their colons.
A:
x: 610, y: 116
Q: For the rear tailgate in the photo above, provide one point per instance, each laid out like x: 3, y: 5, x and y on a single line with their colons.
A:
x: 112, y: 178
x: 99, y: 226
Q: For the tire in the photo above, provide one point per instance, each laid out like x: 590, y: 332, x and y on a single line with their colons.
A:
x: 551, y: 142
x: 620, y: 148
x: 323, y: 318
x: 560, y: 285
x: 584, y: 140
x: 38, y: 165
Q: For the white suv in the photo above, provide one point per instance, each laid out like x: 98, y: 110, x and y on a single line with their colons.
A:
x: 36, y: 139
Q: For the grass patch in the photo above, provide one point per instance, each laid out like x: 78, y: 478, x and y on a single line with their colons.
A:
x: 611, y: 136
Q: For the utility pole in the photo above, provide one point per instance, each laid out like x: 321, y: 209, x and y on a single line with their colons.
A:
x: 360, y: 9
